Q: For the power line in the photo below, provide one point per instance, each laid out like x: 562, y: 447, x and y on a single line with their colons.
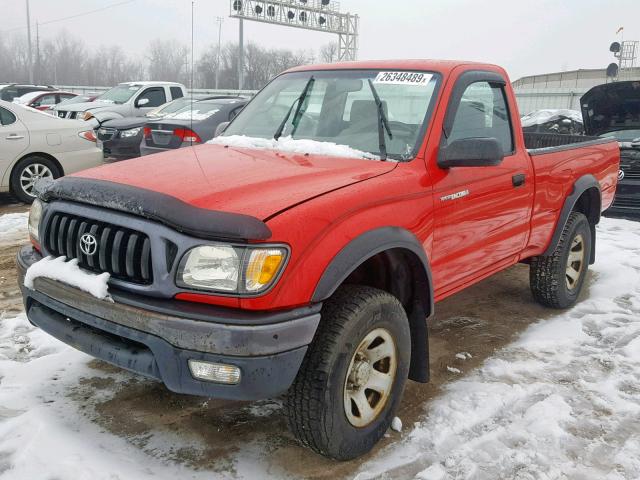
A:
x: 73, y: 16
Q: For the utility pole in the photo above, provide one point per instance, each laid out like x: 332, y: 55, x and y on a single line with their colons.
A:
x: 29, y: 43
x: 219, y: 20
x: 241, y: 57
x: 38, y: 72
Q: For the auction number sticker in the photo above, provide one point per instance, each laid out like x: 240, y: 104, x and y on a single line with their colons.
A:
x: 403, y: 78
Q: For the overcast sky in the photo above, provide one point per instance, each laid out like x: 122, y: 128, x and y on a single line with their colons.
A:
x: 526, y: 37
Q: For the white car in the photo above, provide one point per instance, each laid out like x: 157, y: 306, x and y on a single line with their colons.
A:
x: 35, y: 145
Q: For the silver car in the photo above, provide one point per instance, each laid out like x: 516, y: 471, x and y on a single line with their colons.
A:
x: 36, y: 145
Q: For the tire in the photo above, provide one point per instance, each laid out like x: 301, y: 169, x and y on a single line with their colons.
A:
x: 315, y: 403
x: 31, y: 168
x: 552, y: 283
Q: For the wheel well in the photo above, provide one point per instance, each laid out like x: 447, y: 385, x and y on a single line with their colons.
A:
x: 400, y: 272
x: 589, y: 203
x: 40, y: 154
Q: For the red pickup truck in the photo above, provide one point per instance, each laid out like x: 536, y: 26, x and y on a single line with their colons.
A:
x: 302, y: 252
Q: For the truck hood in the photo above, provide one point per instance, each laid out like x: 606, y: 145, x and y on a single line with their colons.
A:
x: 255, y: 182
x: 84, y: 106
x: 611, y: 107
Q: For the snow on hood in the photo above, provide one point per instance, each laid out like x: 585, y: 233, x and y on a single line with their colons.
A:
x: 195, y: 115
x: 290, y: 145
x: 69, y: 272
x: 541, y: 117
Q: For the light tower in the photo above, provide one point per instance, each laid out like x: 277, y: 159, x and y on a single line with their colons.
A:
x: 318, y: 15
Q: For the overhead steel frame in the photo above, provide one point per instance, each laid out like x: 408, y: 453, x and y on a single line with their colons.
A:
x: 318, y: 15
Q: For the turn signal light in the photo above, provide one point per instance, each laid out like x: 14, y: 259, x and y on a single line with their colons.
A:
x: 88, y: 135
x: 214, y: 372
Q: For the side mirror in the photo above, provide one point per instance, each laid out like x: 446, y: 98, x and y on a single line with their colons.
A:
x: 142, y: 102
x: 471, y: 152
x: 221, y: 128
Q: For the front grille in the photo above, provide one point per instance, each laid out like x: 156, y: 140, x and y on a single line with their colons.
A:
x: 62, y: 113
x: 124, y: 253
x: 631, y: 171
x: 105, y: 134
x: 627, y: 202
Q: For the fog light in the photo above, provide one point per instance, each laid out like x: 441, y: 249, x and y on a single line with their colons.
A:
x: 214, y: 372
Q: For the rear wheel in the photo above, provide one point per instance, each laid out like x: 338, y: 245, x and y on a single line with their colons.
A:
x: 27, y: 172
x: 557, y: 279
x: 351, y: 381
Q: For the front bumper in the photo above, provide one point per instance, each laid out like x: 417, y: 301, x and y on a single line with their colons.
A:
x: 122, y: 148
x: 156, y: 338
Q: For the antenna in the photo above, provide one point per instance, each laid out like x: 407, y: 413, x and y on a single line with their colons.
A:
x: 191, y: 86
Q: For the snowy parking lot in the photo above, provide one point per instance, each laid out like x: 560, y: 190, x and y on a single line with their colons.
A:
x: 517, y: 392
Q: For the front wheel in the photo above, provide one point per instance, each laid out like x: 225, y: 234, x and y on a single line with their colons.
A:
x: 351, y: 380
x: 556, y: 280
x: 27, y: 172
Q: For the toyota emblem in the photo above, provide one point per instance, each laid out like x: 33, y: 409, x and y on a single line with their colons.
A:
x: 620, y: 174
x: 88, y: 244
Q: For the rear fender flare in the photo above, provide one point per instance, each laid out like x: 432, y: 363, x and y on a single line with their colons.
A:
x: 583, y: 184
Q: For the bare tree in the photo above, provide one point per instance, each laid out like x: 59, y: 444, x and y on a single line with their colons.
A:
x: 329, y: 52
x: 64, y: 60
x: 168, y: 61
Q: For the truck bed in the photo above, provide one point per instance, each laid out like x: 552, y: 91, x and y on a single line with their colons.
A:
x: 543, y: 142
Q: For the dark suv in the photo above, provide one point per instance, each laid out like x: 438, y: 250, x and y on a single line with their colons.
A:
x: 9, y: 92
x: 613, y: 110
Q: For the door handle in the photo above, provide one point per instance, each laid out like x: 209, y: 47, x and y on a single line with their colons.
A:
x: 518, y: 179
x: 14, y: 137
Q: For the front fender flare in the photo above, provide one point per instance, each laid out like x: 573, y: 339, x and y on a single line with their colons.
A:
x: 371, y: 243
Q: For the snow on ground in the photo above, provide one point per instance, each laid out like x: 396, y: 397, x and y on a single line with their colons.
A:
x: 13, y: 223
x: 562, y: 402
x: 291, y: 145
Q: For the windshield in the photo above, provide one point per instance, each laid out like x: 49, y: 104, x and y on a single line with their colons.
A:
x: 119, y: 94
x: 168, y: 108
x: 340, y: 107
x: 623, y: 135
x: 199, y: 111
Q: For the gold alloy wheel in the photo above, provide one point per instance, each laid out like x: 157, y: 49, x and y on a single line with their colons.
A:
x: 370, y: 377
x: 575, y: 262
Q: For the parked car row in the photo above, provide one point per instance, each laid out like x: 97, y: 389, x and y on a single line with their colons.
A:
x: 127, y: 121
x: 182, y: 122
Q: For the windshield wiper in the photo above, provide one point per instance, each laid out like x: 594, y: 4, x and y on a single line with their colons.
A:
x: 299, y: 101
x: 383, y: 124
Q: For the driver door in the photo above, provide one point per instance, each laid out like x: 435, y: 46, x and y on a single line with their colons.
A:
x: 483, y: 213
x: 149, y: 99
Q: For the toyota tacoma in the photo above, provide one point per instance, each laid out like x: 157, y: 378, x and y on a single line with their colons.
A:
x: 301, y: 252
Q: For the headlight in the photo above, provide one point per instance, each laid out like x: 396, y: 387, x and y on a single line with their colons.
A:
x: 85, y: 116
x: 132, y: 132
x: 35, y: 214
x: 231, y: 269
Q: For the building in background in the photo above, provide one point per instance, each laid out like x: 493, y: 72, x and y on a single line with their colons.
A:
x: 562, y: 89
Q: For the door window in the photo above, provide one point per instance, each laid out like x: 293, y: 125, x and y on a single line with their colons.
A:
x: 6, y: 117
x: 483, y: 113
x: 45, y: 100
x: 176, y: 92
x: 155, y: 95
